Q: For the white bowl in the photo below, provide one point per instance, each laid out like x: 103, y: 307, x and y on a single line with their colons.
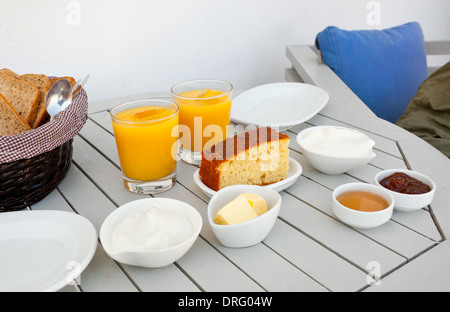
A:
x: 250, y: 232
x: 150, y: 258
x: 408, y: 202
x: 328, y: 163
x: 362, y: 219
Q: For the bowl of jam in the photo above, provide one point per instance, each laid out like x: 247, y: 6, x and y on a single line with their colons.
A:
x: 412, y: 190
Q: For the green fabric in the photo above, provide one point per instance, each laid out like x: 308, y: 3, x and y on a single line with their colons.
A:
x: 428, y: 113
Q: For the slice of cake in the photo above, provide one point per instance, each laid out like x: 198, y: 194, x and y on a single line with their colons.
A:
x: 256, y: 157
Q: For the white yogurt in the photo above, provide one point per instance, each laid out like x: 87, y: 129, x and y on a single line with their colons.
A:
x: 338, y: 142
x: 151, y: 229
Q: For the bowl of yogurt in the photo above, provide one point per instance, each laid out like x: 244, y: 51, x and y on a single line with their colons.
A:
x: 335, y: 150
x: 151, y: 232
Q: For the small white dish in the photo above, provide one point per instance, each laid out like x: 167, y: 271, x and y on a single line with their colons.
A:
x: 408, y: 202
x: 332, y: 164
x: 294, y: 172
x: 279, y: 105
x: 362, y: 219
x: 150, y: 258
x: 250, y: 232
x: 43, y: 250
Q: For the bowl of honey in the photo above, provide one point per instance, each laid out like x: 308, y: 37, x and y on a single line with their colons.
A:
x: 362, y: 205
x: 411, y: 190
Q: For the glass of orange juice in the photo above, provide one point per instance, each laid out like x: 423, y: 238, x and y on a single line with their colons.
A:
x: 146, y: 133
x: 205, y: 107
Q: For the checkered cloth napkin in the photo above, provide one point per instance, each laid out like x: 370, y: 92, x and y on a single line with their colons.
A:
x: 64, y: 126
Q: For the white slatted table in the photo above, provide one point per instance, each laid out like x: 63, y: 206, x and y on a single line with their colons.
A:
x: 308, y: 248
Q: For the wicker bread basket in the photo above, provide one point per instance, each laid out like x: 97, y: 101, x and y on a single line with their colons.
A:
x: 32, y: 164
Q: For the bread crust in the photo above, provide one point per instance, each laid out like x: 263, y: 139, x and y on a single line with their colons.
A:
x: 10, y: 72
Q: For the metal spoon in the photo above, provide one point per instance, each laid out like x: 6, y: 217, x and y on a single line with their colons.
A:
x: 80, y: 83
x: 58, y: 97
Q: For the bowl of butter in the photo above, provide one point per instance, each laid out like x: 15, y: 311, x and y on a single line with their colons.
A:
x: 243, y: 215
x: 150, y: 232
x: 335, y: 150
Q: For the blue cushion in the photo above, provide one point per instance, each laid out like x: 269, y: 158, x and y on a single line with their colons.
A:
x: 383, y: 68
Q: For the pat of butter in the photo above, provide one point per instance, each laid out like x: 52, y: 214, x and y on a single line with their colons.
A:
x: 236, y: 211
x: 243, y: 208
x: 257, y: 202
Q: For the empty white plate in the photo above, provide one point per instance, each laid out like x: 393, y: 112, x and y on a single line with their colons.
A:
x: 295, y: 170
x: 279, y: 105
x: 43, y: 250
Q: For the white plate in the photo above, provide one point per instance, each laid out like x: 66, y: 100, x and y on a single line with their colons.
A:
x: 280, y: 105
x: 43, y: 250
x: 295, y: 170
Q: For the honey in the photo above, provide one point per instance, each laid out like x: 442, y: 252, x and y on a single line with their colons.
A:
x: 363, y: 201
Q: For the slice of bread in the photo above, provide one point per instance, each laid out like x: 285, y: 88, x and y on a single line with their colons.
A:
x: 43, y: 83
x: 22, y: 95
x: 10, y: 72
x: 10, y: 121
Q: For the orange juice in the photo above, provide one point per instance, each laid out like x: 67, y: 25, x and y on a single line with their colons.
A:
x: 206, y: 114
x: 146, y: 138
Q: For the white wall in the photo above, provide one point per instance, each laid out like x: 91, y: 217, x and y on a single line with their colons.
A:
x: 137, y: 46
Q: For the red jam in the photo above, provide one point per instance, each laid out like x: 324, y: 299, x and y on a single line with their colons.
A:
x: 402, y: 183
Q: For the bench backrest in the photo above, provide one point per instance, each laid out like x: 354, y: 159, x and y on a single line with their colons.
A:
x: 438, y: 52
